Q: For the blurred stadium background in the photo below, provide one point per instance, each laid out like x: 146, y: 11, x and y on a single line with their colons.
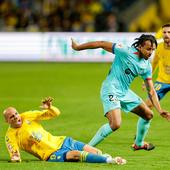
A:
x: 24, y: 24
x: 83, y: 16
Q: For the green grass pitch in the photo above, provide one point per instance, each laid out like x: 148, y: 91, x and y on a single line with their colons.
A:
x: 75, y: 88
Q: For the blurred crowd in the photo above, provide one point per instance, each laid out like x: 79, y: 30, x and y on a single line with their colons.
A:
x: 62, y: 15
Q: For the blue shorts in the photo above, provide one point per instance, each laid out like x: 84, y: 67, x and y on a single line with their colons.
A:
x: 161, y: 89
x: 68, y: 145
x: 127, y: 102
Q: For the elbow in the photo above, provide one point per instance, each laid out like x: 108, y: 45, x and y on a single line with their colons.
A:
x: 56, y: 111
x: 152, y: 93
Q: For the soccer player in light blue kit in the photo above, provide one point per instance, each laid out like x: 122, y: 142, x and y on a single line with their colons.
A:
x: 129, y: 63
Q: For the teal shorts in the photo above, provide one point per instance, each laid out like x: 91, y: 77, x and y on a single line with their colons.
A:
x: 128, y: 102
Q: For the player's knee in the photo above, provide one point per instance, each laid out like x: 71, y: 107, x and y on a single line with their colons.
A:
x: 149, y: 115
x: 73, y: 156
x: 115, y: 126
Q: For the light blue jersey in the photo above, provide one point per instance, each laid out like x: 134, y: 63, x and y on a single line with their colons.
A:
x: 127, y: 65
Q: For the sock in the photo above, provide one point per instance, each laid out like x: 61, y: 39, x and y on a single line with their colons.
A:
x: 102, y: 133
x: 142, y: 129
x: 92, y: 158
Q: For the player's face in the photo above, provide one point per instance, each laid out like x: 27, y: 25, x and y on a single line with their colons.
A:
x: 146, y: 49
x: 13, y: 118
x: 166, y: 34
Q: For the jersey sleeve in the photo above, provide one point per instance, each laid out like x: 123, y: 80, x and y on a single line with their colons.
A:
x: 119, y: 49
x: 12, y: 146
x: 41, y: 115
x: 148, y: 74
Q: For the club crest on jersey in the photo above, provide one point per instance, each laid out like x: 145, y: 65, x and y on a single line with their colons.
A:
x: 37, y: 136
x: 119, y: 46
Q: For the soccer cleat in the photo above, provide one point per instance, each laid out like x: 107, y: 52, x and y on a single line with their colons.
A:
x: 106, y: 155
x: 119, y: 161
x: 146, y: 146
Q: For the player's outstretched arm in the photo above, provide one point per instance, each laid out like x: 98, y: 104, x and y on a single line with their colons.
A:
x: 154, y: 99
x: 92, y: 45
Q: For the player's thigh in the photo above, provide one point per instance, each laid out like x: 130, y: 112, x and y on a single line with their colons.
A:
x: 75, y: 147
x: 143, y: 111
x: 73, y: 156
x: 91, y: 149
x: 149, y: 103
x: 73, y: 144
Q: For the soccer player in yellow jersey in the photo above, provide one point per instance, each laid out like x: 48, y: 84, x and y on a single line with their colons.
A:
x: 26, y: 133
x: 161, y: 61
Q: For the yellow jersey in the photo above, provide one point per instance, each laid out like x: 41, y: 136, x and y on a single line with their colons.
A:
x: 31, y: 137
x: 161, y: 60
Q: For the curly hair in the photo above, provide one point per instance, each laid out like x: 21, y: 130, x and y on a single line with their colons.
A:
x: 144, y: 37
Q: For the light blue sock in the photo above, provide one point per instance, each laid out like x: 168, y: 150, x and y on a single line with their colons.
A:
x: 102, y: 133
x: 142, y: 129
x: 92, y: 158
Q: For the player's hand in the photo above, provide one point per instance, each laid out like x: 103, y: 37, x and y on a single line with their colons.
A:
x: 74, y: 44
x: 15, y: 158
x: 165, y: 115
x: 47, y: 103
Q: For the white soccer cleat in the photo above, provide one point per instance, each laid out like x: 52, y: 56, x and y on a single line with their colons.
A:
x: 119, y: 161
x: 116, y: 160
x: 106, y: 155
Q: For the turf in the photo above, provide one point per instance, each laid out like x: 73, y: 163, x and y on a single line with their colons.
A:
x: 75, y: 88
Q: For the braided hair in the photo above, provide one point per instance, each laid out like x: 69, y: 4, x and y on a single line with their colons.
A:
x: 144, y: 37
